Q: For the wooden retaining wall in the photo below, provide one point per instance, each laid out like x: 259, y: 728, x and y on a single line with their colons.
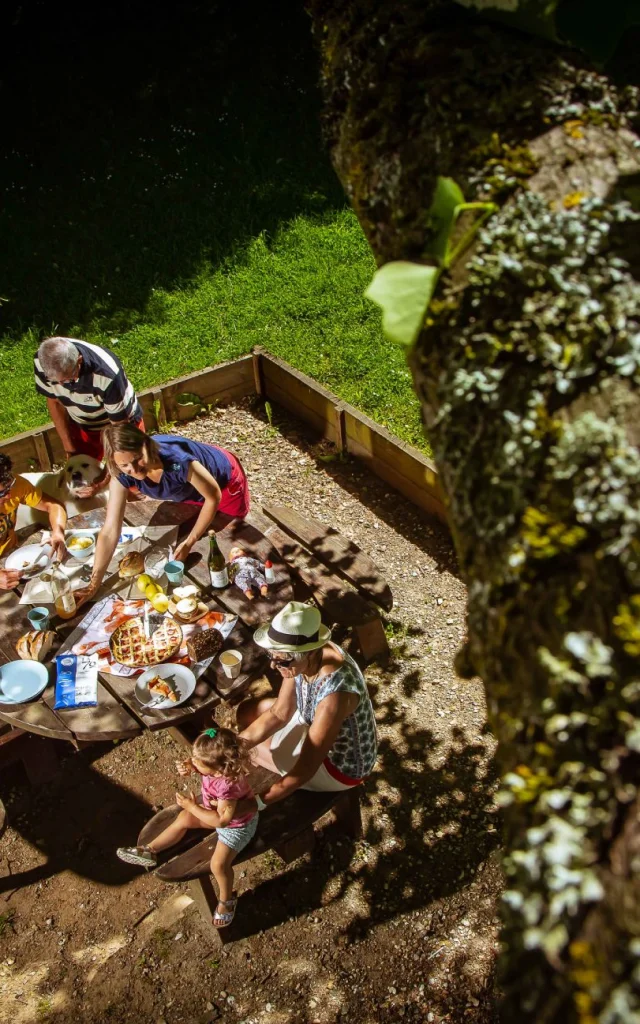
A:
x: 403, y: 467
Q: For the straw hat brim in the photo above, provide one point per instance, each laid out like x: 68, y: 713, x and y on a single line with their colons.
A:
x: 262, y: 638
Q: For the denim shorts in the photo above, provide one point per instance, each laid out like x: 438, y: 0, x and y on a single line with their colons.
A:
x: 239, y: 837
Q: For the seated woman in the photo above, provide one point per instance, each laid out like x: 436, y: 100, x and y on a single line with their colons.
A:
x: 169, y: 468
x: 319, y: 733
x: 16, y: 491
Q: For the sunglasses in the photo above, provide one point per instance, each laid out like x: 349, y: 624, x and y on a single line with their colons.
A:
x: 281, y: 661
x: 6, y: 487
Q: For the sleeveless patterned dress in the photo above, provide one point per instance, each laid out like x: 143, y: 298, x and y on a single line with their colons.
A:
x: 355, y: 749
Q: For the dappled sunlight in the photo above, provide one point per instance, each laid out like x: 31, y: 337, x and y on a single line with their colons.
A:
x: 24, y: 995
x: 96, y: 955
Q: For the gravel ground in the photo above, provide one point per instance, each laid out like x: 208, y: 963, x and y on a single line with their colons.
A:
x: 400, y: 925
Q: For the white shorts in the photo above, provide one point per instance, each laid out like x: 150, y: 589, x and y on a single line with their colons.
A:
x: 281, y: 752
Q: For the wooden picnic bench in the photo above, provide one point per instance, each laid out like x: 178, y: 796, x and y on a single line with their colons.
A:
x: 286, y: 827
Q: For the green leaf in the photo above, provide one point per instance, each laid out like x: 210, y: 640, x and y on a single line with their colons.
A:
x: 188, y: 398
x: 403, y: 290
x: 442, y: 216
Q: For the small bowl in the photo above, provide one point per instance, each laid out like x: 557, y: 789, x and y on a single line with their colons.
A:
x: 80, y: 553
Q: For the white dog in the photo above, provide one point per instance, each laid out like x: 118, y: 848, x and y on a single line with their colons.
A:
x: 79, y: 472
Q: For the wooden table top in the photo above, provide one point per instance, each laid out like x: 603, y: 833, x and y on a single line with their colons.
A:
x: 118, y: 714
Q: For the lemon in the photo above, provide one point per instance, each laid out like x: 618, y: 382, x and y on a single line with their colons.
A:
x: 143, y: 582
x: 151, y: 590
x: 160, y: 603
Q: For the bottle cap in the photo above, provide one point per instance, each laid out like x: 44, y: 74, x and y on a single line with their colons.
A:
x: 268, y: 564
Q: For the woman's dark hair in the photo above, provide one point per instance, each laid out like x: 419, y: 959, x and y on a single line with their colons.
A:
x: 223, y: 753
x: 124, y: 437
x: 6, y: 468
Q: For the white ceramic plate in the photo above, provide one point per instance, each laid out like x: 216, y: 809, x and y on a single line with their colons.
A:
x: 22, y: 680
x: 184, y: 679
x: 37, y: 557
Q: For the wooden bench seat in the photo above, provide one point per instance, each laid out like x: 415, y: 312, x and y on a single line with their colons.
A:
x: 341, y: 555
x: 286, y: 827
x: 337, y: 601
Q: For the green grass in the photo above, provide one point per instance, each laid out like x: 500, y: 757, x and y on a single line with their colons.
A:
x: 185, y: 210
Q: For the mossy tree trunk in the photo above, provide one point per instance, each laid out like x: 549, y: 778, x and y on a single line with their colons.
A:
x: 527, y: 373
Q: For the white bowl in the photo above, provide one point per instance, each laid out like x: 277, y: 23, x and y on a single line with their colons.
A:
x: 81, y: 554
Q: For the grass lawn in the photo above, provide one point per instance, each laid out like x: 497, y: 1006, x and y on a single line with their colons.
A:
x: 166, y: 193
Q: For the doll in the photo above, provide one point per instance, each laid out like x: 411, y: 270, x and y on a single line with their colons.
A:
x: 247, y: 573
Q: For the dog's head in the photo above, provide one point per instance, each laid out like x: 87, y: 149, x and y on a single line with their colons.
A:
x: 80, y: 471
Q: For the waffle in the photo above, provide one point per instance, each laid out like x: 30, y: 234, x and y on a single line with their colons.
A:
x: 132, y: 648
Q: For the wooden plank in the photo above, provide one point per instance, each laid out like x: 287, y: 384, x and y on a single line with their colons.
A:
x: 158, y: 408
x: 35, y: 716
x: 241, y: 532
x: 338, y: 602
x: 42, y: 451
x: 302, y: 395
x: 404, y: 467
x: 319, y: 419
x: 258, y: 382
x: 412, y: 491
x: 21, y: 449
x: 56, y: 447
x: 123, y: 687
x: 109, y: 720
x: 278, y: 825
x: 150, y: 512
x: 339, y: 554
x: 222, y: 383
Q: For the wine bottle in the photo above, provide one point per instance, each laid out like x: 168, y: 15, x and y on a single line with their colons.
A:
x: 217, y: 565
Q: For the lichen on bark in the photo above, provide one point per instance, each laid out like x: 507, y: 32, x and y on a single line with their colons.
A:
x: 527, y: 374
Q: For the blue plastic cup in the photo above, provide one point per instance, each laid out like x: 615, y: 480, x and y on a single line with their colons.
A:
x: 39, y: 618
x: 174, y: 571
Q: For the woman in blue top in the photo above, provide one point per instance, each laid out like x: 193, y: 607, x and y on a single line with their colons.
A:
x: 170, y: 468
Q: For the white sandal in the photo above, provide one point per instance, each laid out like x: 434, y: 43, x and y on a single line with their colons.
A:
x: 224, y: 920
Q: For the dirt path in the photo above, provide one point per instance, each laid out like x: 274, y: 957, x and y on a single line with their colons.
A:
x: 401, y: 925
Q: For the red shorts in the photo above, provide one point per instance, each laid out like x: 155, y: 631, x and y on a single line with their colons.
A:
x: 89, y: 442
x: 236, y: 500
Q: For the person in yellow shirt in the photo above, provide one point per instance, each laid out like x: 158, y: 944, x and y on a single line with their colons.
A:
x: 15, y: 491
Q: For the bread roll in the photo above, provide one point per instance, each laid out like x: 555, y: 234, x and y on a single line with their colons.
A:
x: 35, y: 645
x: 131, y: 565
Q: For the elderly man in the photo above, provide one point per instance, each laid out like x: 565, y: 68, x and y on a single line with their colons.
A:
x: 86, y: 389
x: 15, y: 491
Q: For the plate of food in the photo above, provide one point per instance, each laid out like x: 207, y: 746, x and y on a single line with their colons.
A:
x: 165, y: 687
x: 30, y: 559
x: 131, y: 647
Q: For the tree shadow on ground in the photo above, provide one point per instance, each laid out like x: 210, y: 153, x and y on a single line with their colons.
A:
x: 432, y: 836
x: 171, y: 138
x: 90, y: 809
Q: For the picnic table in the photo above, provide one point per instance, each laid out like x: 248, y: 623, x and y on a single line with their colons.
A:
x: 118, y: 714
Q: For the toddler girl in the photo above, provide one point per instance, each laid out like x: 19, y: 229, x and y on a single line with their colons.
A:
x: 223, y: 763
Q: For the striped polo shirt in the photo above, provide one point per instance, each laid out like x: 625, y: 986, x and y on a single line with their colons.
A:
x: 102, y: 394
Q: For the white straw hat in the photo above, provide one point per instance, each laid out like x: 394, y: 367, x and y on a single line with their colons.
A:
x: 296, y: 627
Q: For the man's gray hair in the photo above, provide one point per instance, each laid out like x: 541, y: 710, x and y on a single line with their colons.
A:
x: 58, y: 357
